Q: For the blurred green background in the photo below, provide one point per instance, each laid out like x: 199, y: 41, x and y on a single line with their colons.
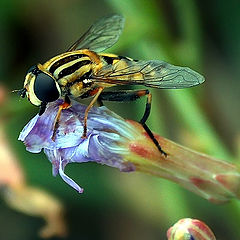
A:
x: 203, y: 35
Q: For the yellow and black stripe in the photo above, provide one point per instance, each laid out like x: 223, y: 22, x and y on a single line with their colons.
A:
x: 74, y: 67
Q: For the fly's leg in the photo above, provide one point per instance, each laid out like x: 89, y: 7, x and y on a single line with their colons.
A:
x: 132, y: 95
x: 65, y: 105
x: 100, y: 102
x: 143, y: 122
x: 42, y: 108
x: 99, y: 90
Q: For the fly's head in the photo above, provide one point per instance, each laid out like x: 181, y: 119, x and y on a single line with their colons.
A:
x: 40, y: 86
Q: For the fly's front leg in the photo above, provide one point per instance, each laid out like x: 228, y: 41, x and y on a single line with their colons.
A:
x: 132, y: 95
x: 100, y: 102
x: 65, y: 105
x: 42, y: 108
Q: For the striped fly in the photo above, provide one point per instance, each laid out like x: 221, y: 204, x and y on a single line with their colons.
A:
x: 83, y: 71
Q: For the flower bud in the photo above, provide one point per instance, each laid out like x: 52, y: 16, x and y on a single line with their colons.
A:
x: 190, y: 229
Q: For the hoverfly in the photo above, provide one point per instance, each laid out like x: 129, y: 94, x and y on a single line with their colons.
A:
x: 83, y: 72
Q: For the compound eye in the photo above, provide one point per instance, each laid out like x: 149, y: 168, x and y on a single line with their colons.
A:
x: 45, y: 88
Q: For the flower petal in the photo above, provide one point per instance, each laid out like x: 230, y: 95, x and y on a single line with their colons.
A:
x: 67, y: 179
x: 106, y: 131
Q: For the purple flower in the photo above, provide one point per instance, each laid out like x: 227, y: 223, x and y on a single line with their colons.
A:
x: 106, y: 132
x: 125, y: 145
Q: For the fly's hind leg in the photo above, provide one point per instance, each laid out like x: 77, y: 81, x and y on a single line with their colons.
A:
x: 132, y: 95
x: 143, y: 122
x: 65, y: 105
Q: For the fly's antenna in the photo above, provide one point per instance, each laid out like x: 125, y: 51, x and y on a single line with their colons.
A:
x: 21, y: 92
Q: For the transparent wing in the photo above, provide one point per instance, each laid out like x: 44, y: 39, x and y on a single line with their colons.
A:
x: 156, y: 74
x: 101, y: 35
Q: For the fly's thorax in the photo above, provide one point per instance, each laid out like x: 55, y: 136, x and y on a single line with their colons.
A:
x: 72, y: 71
x: 77, y: 83
x: 64, y: 66
x: 41, y: 86
x: 77, y: 76
x: 78, y: 89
